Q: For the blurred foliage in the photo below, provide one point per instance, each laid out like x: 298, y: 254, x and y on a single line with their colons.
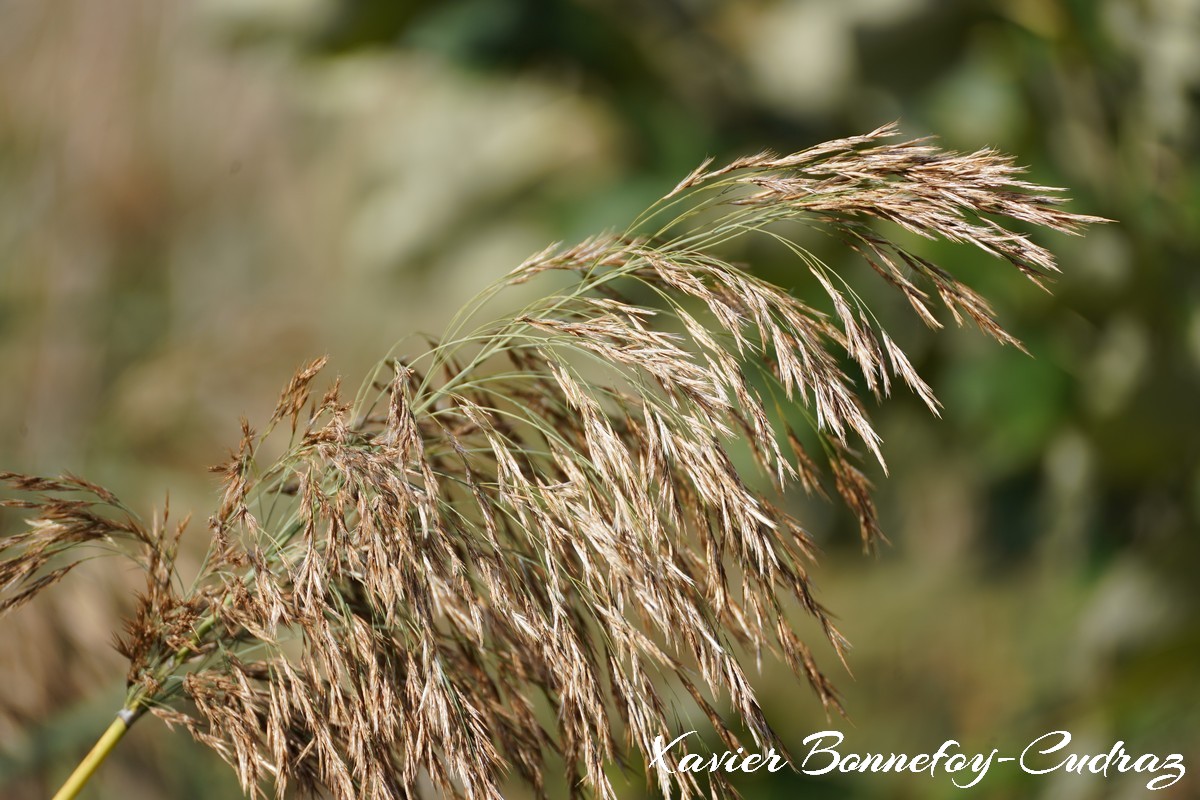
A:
x: 194, y: 197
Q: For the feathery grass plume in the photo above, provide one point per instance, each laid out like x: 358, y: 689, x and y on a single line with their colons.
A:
x: 501, y: 555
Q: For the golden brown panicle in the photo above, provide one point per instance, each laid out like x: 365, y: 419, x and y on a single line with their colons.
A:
x: 508, y: 552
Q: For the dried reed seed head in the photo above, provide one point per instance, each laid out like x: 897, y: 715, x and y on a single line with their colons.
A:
x: 548, y: 506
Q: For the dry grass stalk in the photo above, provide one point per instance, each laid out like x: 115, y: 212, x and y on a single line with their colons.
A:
x: 545, y: 505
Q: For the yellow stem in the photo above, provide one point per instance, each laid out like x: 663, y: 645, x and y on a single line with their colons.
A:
x: 99, y: 752
x: 125, y: 718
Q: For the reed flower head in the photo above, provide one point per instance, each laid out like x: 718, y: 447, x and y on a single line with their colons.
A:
x: 505, y: 552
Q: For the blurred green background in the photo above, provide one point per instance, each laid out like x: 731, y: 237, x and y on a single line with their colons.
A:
x: 197, y: 196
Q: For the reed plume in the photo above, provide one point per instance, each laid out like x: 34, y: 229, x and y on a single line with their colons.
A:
x: 501, y: 555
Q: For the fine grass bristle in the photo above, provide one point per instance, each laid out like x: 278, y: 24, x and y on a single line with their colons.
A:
x: 545, y: 506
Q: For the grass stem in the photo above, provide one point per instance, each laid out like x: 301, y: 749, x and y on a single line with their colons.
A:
x: 87, y: 767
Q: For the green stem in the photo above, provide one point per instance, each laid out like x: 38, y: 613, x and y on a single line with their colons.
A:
x: 96, y: 757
